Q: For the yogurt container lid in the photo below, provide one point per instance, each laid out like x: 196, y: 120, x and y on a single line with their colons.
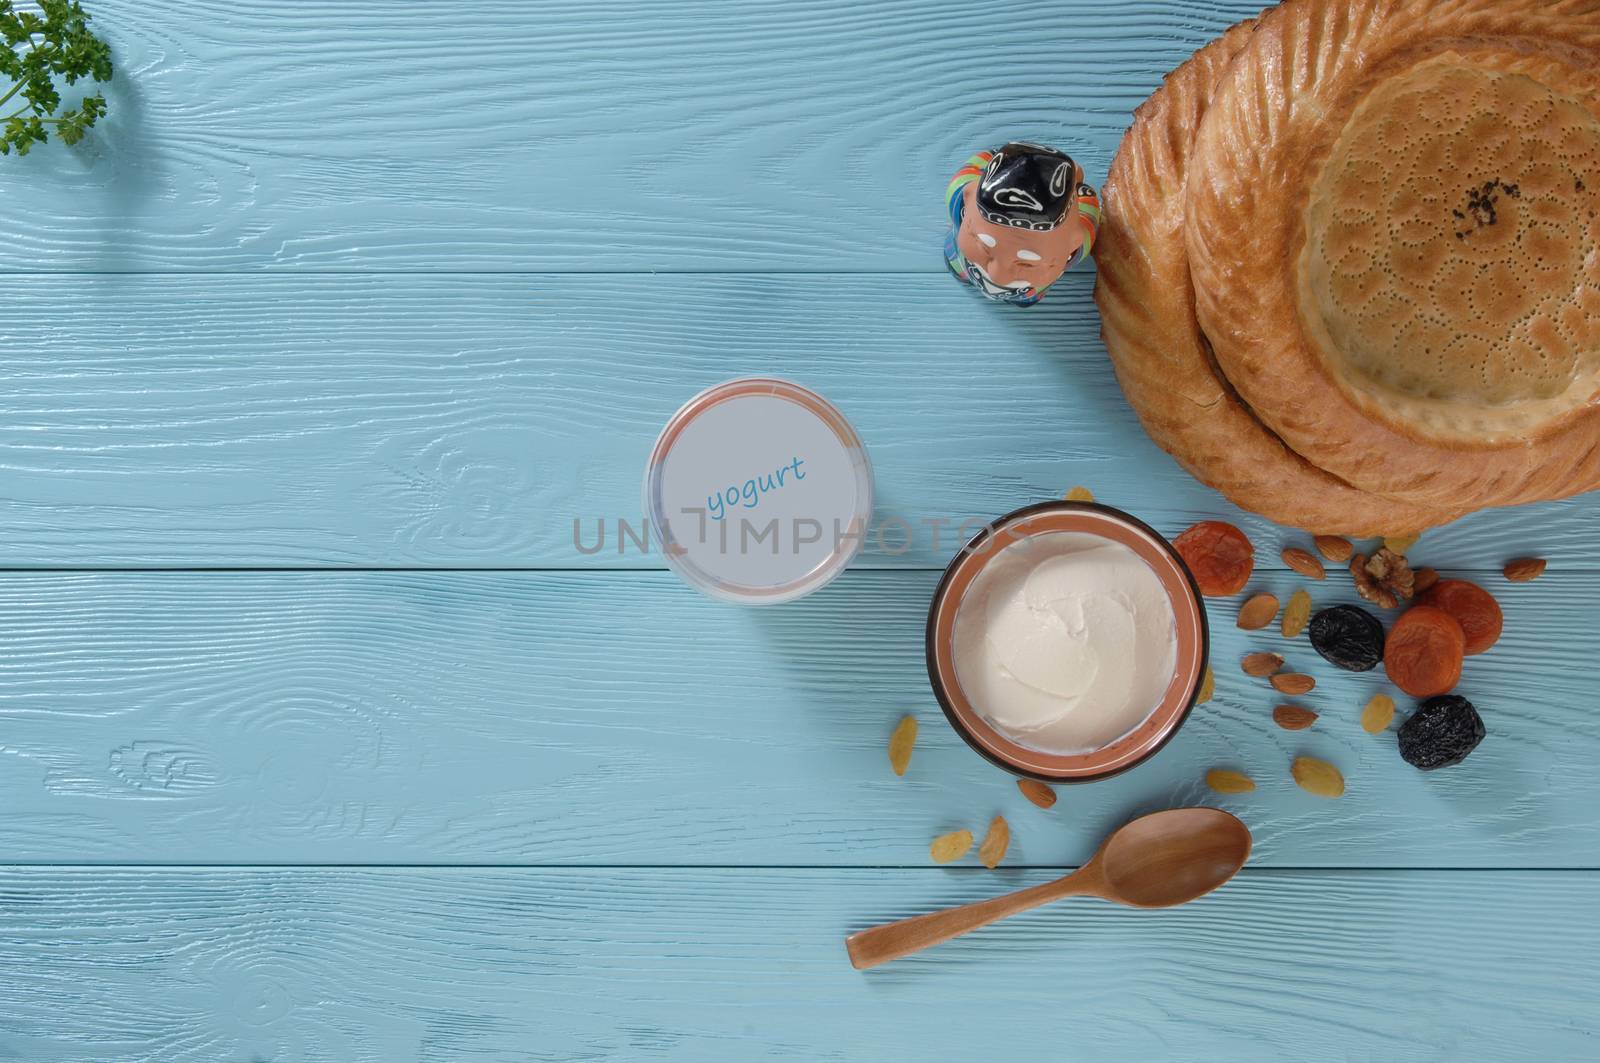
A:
x: 758, y: 491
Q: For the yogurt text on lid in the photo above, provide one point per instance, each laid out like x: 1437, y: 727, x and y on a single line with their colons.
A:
x: 758, y: 491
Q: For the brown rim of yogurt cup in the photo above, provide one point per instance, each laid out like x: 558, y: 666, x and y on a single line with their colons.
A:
x: 1193, y: 636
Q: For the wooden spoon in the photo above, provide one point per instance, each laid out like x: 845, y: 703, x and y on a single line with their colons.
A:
x: 1156, y: 861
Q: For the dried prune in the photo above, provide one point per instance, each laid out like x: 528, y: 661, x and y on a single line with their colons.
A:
x: 1424, y: 651
x: 1473, y: 607
x: 1348, y: 637
x: 1218, y: 555
x: 1441, y: 733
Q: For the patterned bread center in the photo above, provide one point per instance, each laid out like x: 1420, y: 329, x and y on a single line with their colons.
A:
x: 1453, y: 244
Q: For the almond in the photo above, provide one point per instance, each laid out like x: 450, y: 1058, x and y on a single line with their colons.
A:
x: 900, y: 743
x: 952, y: 846
x: 1422, y: 579
x: 1297, y: 614
x: 1260, y: 664
x: 1257, y: 612
x: 1037, y: 792
x: 1224, y: 781
x: 1378, y: 714
x: 1305, y: 563
x: 1524, y: 569
x: 995, y: 843
x: 1080, y: 494
x: 1334, y: 547
x: 1317, y: 777
x: 1292, y: 683
x: 1293, y: 717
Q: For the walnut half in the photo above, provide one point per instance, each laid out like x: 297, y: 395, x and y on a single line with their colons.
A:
x: 1384, y: 579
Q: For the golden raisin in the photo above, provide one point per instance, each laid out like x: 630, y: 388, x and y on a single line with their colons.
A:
x: 952, y: 846
x: 1208, y: 686
x: 1297, y: 614
x: 1226, y: 781
x: 995, y: 843
x: 900, y: 743
x: 1378, y: 714
x: 1317, y: 777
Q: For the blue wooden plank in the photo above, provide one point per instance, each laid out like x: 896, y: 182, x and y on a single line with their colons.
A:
x: 413, y: 966
x: 397, y: 420
x: 619, y: 718
x: 778, y: 135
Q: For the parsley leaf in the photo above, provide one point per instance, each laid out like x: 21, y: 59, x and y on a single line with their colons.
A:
x: 40, y: 46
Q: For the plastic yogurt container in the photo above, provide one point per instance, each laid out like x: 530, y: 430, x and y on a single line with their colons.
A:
x: 758, y: 491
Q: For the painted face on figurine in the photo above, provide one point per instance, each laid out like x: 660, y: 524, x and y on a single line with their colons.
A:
x: 1002, y: 257
x: 1021, y: 216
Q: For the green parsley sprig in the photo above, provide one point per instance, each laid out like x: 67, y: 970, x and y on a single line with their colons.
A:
x: 40, y: 46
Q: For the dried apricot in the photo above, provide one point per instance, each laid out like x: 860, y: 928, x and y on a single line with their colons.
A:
x: 1226, y: 781
x: 1422, y: 655
x: 995, y: 843
x: 952, y: 846
x: 1474, y: 609
x: 1080, y: 494
x: 1039, y: 793
x: 1208, y: 687
x: 1218, y: 555
x: 900, y: 743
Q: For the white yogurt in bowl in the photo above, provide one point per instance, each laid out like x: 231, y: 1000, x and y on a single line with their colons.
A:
x: 1065, y: 641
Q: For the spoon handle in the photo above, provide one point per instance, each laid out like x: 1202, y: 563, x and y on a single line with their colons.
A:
x: 891, y: 941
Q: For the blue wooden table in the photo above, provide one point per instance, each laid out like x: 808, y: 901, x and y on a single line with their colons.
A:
x: 319, y: 741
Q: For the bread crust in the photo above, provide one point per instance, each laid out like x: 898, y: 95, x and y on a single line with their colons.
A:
x: 1148, y: 320
x: 1274, y: 118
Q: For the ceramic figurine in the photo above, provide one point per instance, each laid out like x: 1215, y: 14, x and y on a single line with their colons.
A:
x: 1020, y: 216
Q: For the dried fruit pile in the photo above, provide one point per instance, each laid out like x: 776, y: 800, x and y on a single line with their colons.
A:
x: 1443, y: 622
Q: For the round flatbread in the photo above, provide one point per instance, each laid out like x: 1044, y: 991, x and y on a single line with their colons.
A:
x: 1148, y: 323
x: 1394, y: 233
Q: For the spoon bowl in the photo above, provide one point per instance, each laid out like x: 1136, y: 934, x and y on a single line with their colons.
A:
x: 1172, y: 857
x: 1156, y: 861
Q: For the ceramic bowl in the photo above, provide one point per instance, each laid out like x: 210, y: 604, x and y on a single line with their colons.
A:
x: 1157, y: 728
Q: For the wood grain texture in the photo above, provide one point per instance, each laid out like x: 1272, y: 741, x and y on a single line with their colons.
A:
x: 808, y: 135
x: 619, y: 718
x: 414, y: 966
x: 468, y: 420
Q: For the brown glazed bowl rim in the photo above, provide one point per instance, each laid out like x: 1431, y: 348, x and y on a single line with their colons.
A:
x: 1145, y: 740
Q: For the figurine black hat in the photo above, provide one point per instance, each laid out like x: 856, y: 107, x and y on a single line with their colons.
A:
x: 1027, y: 186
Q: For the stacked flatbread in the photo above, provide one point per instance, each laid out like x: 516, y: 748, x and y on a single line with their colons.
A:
x: 1350, y: 268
